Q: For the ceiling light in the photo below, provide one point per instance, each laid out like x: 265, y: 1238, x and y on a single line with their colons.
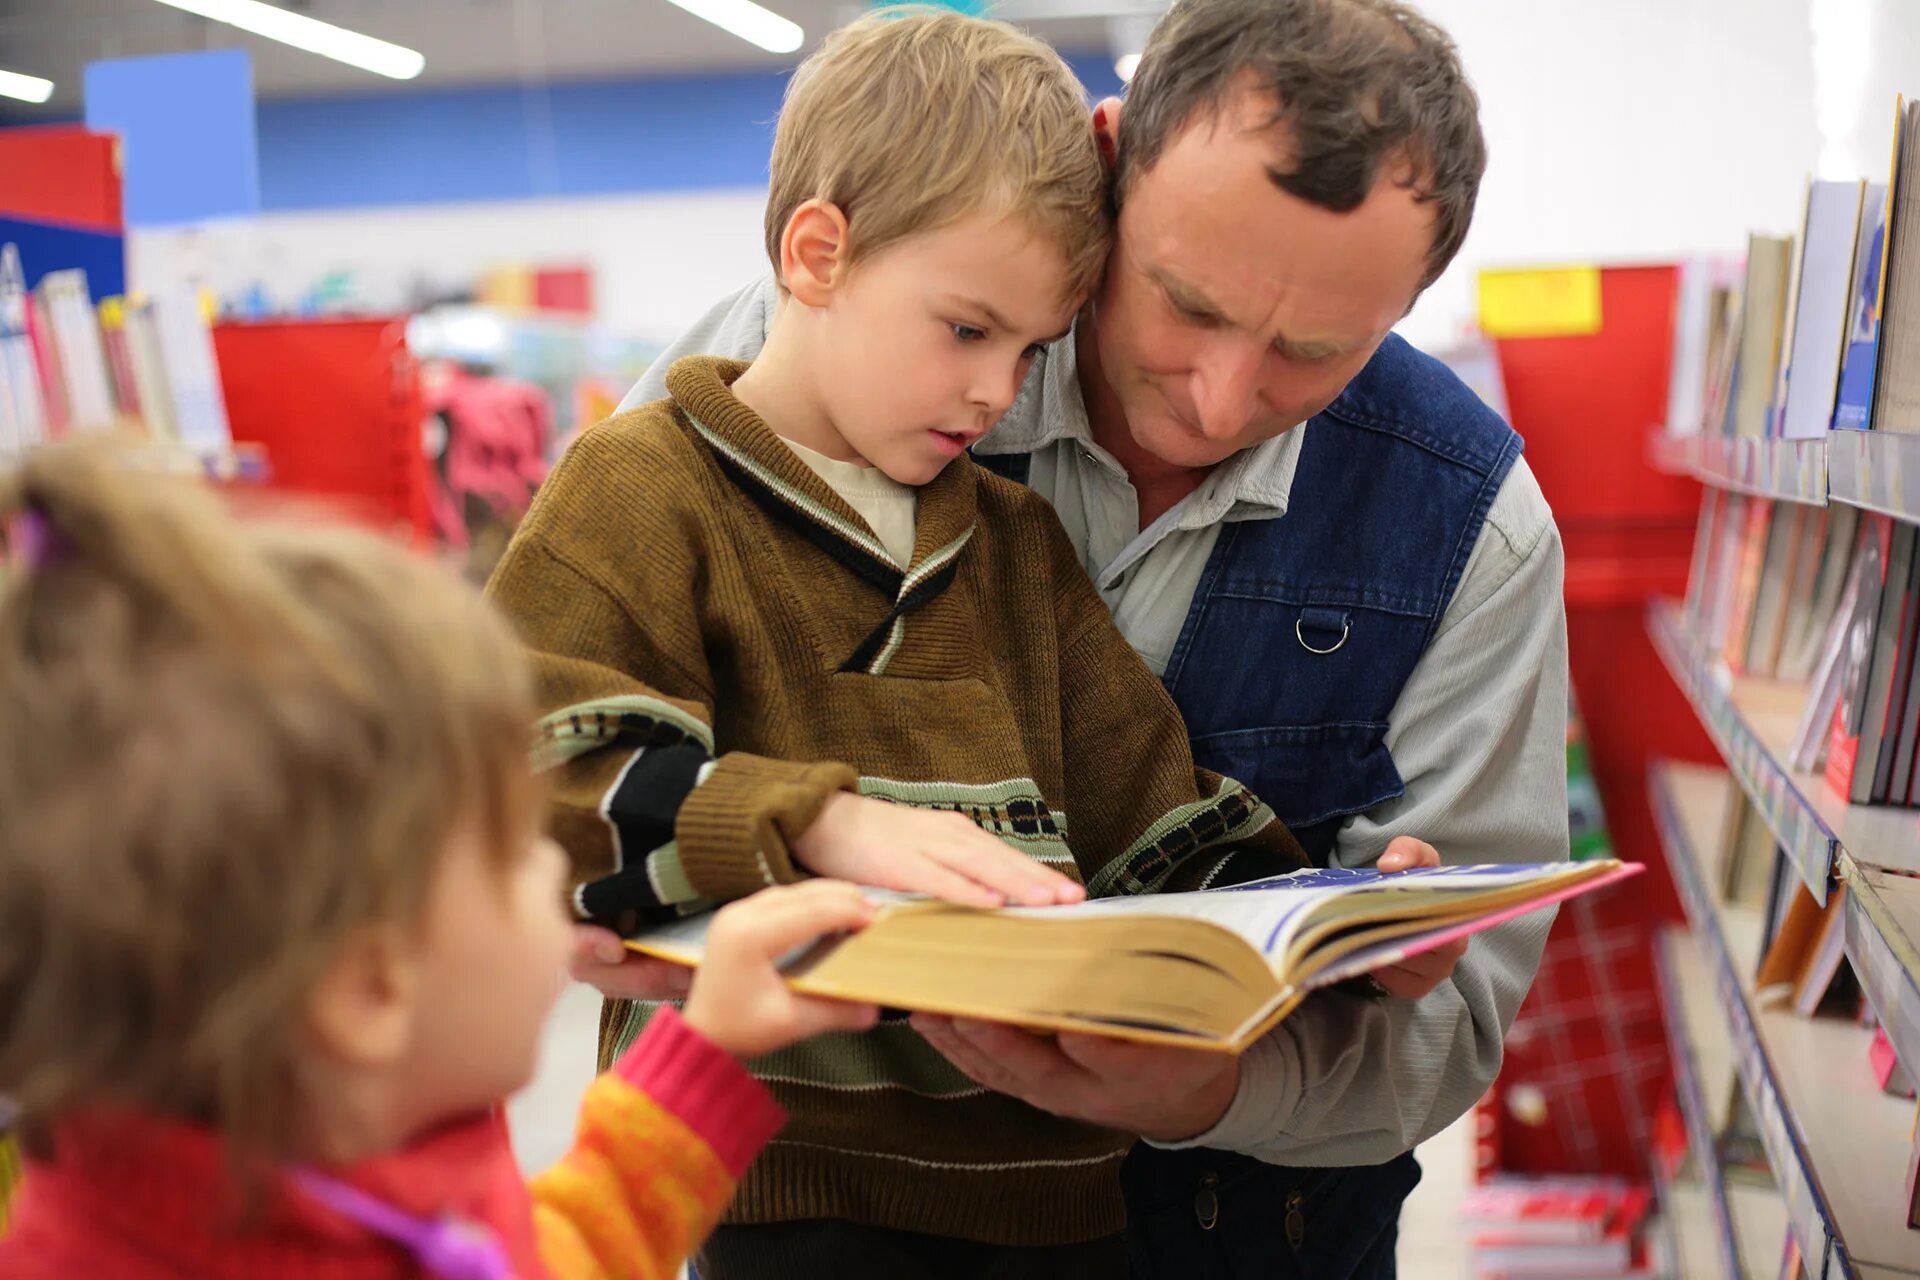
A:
x: 744, y: 18
x: 310, y: 34
x: 25, y: 88
x: 1125, y: 65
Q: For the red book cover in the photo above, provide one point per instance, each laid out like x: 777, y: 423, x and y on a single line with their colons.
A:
x: 1616, y: 1250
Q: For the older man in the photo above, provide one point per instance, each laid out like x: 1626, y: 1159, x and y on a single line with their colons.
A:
x: 1339, y: 564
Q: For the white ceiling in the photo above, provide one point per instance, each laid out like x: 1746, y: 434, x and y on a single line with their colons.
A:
x: 465, y: 41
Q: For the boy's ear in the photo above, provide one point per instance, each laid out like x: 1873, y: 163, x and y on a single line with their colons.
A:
x: 813, y: 252
x: 1106, y: 129
x: 361, y: 1011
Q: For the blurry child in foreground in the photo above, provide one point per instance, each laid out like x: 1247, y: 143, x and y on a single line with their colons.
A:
x: 280, y: 928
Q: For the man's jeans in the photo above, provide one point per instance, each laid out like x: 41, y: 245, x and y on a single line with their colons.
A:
x: 1209, y: 1215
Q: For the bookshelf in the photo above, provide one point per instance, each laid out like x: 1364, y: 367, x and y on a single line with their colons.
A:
x: 1866, y: 847
x: 1872, y: 470
x: 1838, y: 1147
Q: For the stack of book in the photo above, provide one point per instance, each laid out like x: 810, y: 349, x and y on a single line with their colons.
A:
x: 67, y: 366
x: 1559, y: 1229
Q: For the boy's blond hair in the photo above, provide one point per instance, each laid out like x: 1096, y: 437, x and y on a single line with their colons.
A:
x: 910, y: 120
x: 224, y: 748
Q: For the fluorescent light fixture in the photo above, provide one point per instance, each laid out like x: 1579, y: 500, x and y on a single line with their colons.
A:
x: 1125, y: 65
x: 311, y: 34
x: 749, y: 21
x: 25, y: 88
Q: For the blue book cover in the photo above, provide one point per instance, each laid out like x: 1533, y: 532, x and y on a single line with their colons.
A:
x: 1863, y: 323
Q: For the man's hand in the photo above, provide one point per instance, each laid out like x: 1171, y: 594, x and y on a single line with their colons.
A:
x: 895, y: 846
x: 601, y: 960
x: 1164, y: 1094
x: 1418, y: 975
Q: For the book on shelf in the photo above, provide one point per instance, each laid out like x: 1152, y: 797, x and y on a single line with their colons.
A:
x: 1811, y: 616
x: 1705, y: 303
x: 1208, y: 970
x: 1748, y: 854
x: 1746, y: 579
x: 1803, y: 961
x: 1888, y: 1071
x: 1849, y: 706
x: 1811, y: 739
x: 1889, y: 684
x: 1780, y: 576
x: 1855, y: 394
x: 1810, y: 369
x: 1896, y: 382
x: 1762, y: 328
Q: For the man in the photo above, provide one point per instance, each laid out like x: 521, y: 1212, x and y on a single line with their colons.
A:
x: 1341, y: 568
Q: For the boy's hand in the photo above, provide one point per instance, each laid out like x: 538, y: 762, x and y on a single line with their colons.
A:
x: 895, y: 846
x: 1418, y: 975
x: 739, y: 1002
x: 602, y: 961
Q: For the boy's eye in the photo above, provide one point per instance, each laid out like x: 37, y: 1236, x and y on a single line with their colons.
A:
x: 969, y: 333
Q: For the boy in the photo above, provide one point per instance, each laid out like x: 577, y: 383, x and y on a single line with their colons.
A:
x: 765, y: 606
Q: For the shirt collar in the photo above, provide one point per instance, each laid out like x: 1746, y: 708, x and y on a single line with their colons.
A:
x: 1254, y: 484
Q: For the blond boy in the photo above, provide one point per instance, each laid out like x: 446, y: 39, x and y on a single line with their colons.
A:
x: 785, y: 627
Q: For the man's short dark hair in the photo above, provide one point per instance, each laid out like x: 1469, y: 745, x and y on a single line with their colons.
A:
x: 1360, y: 85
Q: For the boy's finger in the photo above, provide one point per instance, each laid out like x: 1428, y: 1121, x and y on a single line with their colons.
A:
x: 816, y: 1015
x: 592, y: 943
x: 1000, y: 867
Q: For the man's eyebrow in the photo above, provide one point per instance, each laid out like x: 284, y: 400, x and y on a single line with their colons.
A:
x: 1310, y: 349
x: 1185, y: 295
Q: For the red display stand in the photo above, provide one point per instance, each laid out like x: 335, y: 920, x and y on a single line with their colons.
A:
x: 1586, y: 1063
x: 337, y: 406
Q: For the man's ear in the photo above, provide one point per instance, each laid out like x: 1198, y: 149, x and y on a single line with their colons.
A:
x: 361, y: 1011
x: 1106, y: 129
x: 813, y: 252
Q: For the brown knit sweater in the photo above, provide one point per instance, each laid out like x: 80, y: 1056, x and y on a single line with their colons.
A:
x: 721, y: 643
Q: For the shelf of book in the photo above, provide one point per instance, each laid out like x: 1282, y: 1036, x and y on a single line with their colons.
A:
x: 1837, y: 1145
x: 1688, y: 1041
x: 1874, y: 851
x: 1789, y: 470
x: 1752, y: 722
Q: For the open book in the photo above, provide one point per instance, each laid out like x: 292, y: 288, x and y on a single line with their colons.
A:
x: 1210, y: 970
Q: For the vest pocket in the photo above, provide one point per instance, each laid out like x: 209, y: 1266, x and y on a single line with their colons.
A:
x: 1307, y: 773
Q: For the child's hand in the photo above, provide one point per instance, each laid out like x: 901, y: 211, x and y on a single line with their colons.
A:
x: 739, y: 1001
x: 895, y: 846
x: 1418, y: 975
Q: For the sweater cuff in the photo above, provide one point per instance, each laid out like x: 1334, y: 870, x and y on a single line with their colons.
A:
x: 1268, y: 1094
x: 735, y: 829
x: 704, y: 1086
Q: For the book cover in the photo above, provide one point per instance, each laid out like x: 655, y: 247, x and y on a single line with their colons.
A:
x: 1894, y: 715
x: 1807, y: 642
x: 1855, y: 393
x: 1762, y: 320
x: 1778, y: 573
x: 1812, y: 367
x: 1810, y: 740
x: 1747, y: 574
x: 1895, y: 595
x: 1896, y: 382
x: 1843, y: 744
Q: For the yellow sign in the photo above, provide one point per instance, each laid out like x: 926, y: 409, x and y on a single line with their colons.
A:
x: 1545, y: 302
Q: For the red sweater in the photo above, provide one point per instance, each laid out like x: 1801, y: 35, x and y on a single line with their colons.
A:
x: 663, y: 1138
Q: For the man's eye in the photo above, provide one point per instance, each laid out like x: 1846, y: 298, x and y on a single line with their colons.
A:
x: 968, y: 333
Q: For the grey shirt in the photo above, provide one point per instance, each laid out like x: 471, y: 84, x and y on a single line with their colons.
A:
x: 1478, y: 735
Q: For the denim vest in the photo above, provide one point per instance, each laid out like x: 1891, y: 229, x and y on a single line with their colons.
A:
x: 1304, y: 628
x: 1302, y: 633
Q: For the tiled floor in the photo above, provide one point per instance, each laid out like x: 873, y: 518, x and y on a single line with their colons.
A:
x: 1431, y: 1246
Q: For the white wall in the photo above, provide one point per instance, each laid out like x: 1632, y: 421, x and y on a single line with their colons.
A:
x: 659, y: 261
x: 1627, y: 130
x: 1619, y: 130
